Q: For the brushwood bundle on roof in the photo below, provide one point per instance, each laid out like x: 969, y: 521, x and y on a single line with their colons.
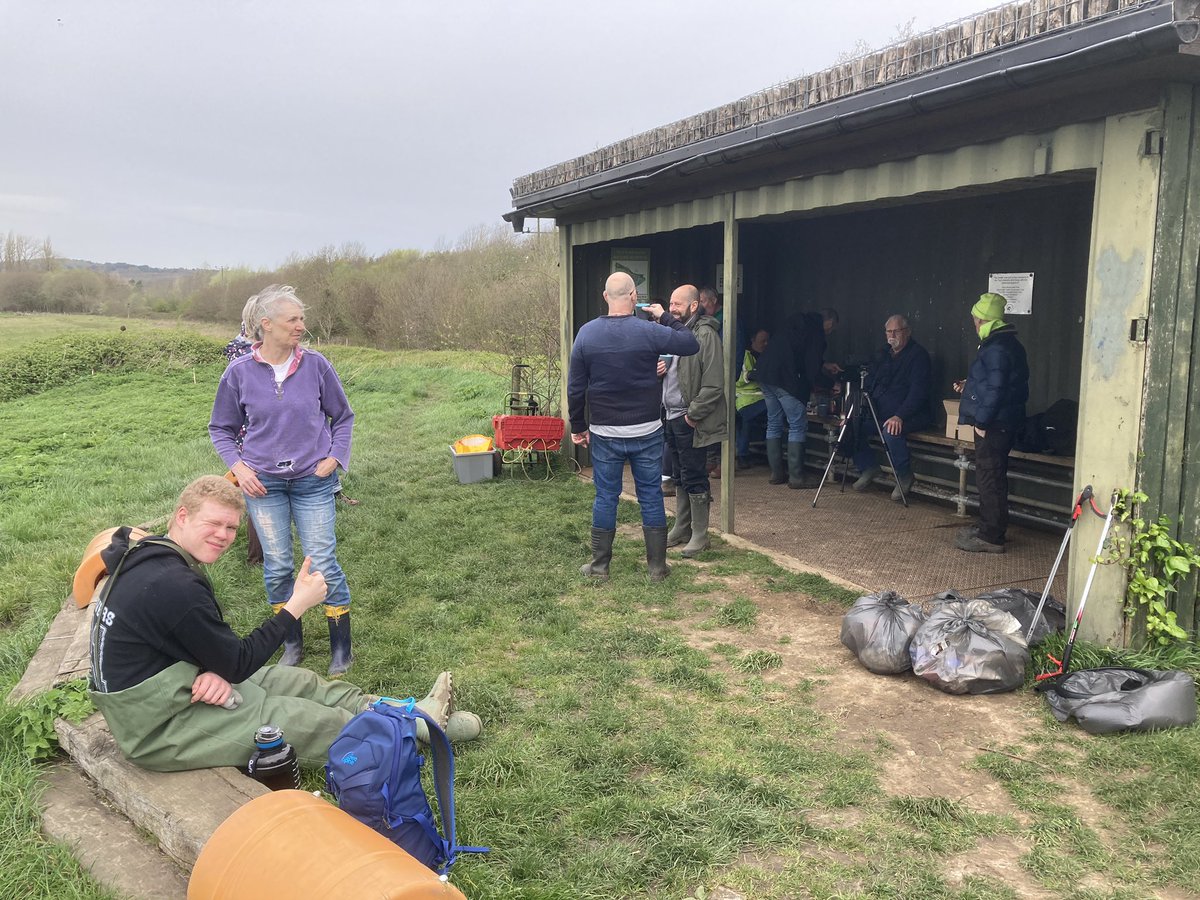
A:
x: 993, y: 29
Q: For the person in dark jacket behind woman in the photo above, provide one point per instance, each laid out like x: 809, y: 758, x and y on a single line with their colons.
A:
x: 994, y: 396
x: 787, y: 372
x: 614, y: 401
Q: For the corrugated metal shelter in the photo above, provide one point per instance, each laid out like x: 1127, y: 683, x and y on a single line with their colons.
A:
x: 1056, y: 137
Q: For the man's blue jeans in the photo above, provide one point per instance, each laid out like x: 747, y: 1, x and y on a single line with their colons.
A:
x: 864, y: 456
x: 308, y: 502
x: 746, y: 416
x: 780, y: 406
x: 608, y: 467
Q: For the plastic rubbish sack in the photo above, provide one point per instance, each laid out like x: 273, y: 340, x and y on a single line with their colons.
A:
x: 1023, y: 604
x: 970, y: 647
x: 950, y: 596
x: 1112, y: 699
x: 878, y: 629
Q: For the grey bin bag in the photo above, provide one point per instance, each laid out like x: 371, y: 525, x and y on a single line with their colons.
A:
x: 1023, y: 604
x: 1111, y: 699
x: 970, y: 647
x: 878, y: 629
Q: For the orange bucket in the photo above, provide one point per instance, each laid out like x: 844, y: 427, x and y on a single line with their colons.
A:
x: 92, y: 569
x: 292, y: 844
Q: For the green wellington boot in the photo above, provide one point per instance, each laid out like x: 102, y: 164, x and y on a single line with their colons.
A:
x: 681, y: 531
x: 775, y: 460
x: 701, y: 504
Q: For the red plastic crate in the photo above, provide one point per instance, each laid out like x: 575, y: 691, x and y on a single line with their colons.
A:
x: 528, y: 432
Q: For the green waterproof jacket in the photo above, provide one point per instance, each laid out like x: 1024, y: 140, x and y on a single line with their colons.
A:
x: 702, y: 383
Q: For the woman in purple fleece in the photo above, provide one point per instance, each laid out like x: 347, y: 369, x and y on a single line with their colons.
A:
x: 298, y: 428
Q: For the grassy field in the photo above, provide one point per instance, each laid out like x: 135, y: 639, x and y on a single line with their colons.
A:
x: 620, y: 759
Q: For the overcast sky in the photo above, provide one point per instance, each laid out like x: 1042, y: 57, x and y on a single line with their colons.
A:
x: 220, y: 133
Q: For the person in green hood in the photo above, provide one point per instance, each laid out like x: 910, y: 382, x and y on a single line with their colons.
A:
x: 994, y: 396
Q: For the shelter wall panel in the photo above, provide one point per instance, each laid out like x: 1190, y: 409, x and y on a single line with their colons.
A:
x: 1111, y: 393
x: 1070, y: 148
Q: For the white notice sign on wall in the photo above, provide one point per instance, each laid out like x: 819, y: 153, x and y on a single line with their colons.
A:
x: 1016, y: 288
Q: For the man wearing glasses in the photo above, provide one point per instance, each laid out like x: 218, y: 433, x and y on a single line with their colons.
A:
x: 898, y: 382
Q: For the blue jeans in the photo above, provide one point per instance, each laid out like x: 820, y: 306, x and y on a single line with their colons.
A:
x: 864, y: 456
x: 308, y: 502
x: 608, y: 467
x: 781, y: 404
x: 745, y: 417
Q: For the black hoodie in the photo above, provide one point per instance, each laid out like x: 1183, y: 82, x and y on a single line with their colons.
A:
x: 161, y: 611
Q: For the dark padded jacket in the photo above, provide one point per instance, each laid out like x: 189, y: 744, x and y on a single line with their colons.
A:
x: 899, y: 386
x: 792, y: 360
x: 997, y: 383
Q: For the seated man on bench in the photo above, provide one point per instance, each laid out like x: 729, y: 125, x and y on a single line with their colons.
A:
x: 178, y: 688
x: 898, y: 382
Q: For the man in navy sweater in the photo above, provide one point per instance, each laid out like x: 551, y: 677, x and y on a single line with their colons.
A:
x: 614, y: 401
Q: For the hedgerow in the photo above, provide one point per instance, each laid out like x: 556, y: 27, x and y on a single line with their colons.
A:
x: 46, y: 364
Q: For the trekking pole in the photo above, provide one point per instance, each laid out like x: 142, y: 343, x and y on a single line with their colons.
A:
x: 1065, y: 663
x: 1085, y: 496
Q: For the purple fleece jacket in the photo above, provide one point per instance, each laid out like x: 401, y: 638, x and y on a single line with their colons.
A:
x: 290, y: 430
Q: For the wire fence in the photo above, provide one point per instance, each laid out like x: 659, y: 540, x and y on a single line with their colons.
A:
x: 972, y: 36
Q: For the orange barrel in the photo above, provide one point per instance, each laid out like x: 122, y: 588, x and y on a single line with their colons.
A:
x: 292, y: 844
x: 92, y: 568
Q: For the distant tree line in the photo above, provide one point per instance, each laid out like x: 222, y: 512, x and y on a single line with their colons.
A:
x: 493, y: 290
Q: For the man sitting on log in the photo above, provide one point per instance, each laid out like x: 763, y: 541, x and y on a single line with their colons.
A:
x: 178, y: 688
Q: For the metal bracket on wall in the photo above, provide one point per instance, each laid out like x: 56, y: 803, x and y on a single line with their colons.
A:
x: 1138, y: 329
x: 1152, y: 143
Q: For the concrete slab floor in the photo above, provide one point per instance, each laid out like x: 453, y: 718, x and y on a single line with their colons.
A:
x: 868, y: 541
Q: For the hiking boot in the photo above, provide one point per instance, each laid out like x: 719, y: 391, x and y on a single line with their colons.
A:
x: 866, y: 478
x: 976, y: 544
x: 439, y: 702
x: 906, y: 482
x: 701, y: 504
x: 668, y: 487
x: 775, y: 460
x: 340, y: 654
x: 293, y: 641
x: 462, y: 726
x: 602, y: 541
x: 656, y: 551
x: 797, y: 478
x: 681, y: 531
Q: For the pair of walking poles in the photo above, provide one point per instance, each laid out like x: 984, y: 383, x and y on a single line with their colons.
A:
x: 1085, y: 496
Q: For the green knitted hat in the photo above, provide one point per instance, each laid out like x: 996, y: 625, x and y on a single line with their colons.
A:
x: 989, y: 307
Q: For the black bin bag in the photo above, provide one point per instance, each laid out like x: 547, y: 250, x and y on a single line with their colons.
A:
x: 878, y: 629
x: 970, y: 647
x: 1111, y: 699
x: 1022, y: 604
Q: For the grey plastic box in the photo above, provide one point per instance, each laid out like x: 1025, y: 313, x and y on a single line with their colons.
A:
x: 472, y: 467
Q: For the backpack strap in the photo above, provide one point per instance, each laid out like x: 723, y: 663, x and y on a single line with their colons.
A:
x: 443, y: 782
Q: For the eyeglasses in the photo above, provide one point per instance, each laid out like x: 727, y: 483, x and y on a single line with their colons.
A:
x: 895, y: 330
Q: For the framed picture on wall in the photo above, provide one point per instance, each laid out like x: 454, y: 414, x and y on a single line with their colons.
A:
x: 635, y: 263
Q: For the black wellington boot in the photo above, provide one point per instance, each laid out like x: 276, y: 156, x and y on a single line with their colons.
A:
x: 293, y: 642
x: 775, y: 460
x: 340, y: 655
x: 602, y: 541
x: 656, y: 552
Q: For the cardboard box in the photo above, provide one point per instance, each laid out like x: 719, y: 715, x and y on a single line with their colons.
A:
x: 953, y: 429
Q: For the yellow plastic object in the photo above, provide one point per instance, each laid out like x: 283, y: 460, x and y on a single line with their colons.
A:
x: 91, y: 567
x: 292, y: 844
x: 473, y: 443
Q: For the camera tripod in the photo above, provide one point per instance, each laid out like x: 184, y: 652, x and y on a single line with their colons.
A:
x: 853, y: 411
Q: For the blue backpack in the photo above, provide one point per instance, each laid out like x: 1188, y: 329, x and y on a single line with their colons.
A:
x: 374, y: 773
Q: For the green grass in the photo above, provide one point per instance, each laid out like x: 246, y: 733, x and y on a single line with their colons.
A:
x: 619, y: 759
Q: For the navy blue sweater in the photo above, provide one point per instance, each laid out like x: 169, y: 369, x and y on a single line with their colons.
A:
x: 899, y: 385
x: 613, y: 377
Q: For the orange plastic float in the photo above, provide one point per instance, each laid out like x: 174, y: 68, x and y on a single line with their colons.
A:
x: 292, y: 844
x: 92, y: 568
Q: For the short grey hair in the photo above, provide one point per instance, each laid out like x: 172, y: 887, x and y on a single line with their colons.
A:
x: 263, y: 305
x: 903, y: 319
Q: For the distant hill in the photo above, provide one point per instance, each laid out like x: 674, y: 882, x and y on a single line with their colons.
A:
x: 131, y: 272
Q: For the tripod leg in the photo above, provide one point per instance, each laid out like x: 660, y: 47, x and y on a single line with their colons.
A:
x: 833, y: 453
x: 886, y: 449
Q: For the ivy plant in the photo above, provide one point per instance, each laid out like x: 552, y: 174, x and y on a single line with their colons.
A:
x: 1155, y: 562
x: 35, y: 720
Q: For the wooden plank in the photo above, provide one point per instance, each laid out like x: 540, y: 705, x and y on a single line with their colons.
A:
x: 42, y: 672
x: 181, y: 809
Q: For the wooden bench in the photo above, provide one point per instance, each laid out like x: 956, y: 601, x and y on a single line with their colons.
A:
x: 1040, y: 484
